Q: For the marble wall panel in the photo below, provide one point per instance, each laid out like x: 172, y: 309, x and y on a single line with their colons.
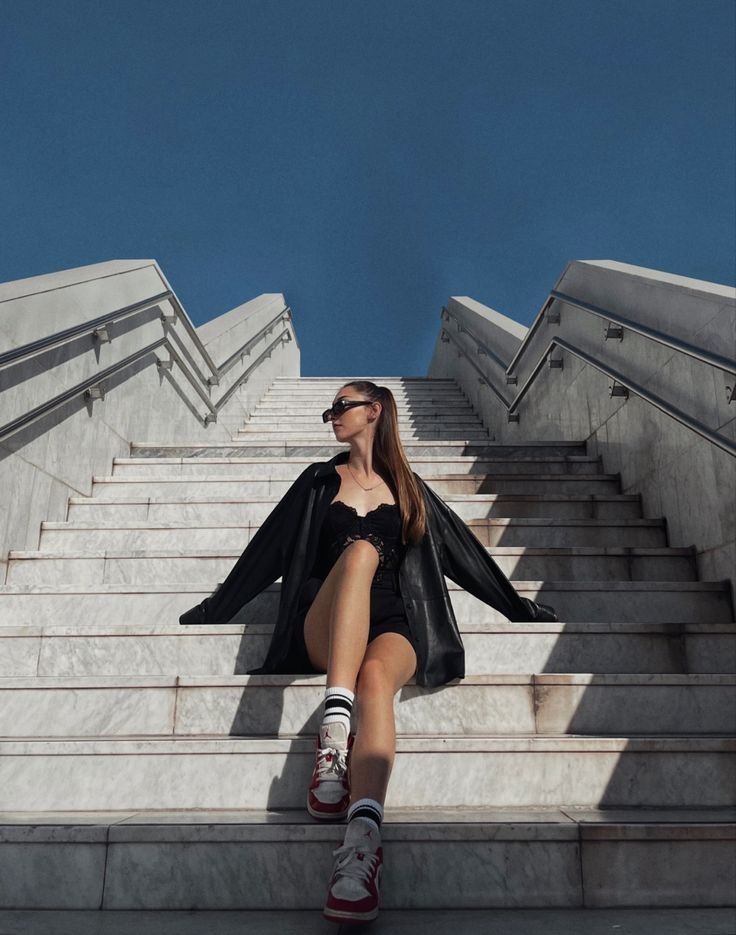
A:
x: 694, y: 311
x: 234, y: 875
x: 54, y: 875
x: 658, y: 872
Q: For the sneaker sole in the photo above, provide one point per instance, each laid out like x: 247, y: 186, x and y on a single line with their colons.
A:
x: 335, y: 915
x: 327, y: 816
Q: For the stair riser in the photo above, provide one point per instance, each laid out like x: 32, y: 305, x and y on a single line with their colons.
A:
x: 262, y: 710
x: 230, y: 539
x: 317, y: 451
x: 254, y: 472
x: 408, y: 433
x: 288, y: 418
x: 239, y: 511
x: 579, y: 486
x: 146, y: 570
x: 220, y: 653
x: 440, y: 779
x: 137, y: 872
x: 407, y: 410
x: 627, y: 605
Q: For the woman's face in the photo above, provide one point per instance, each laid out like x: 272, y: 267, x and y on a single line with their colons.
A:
x: 356, y: 419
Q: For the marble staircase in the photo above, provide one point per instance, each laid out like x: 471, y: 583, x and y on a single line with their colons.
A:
x: 583, y: 763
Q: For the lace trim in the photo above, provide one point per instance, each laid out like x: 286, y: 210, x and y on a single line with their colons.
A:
x: 386, y: 556
x: 334, y: 502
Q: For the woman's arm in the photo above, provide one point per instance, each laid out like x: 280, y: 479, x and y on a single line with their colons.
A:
x: 262, y: 562
x: 466, y: 561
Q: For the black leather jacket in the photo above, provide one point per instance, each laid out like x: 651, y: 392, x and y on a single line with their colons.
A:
x: 285, y: 545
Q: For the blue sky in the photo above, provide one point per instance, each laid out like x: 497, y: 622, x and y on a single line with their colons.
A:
x: 367, y: 159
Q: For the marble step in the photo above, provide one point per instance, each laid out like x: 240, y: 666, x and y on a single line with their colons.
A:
x: 706, y: 920
x: 319, y: 400
x: 314, y: 427
x: 318, y: 430
x: 224, y: 486
x: 545, y: 704
x: 428, y: 772
x: 339, y: 381
x: 94, y: 648
x: 216, y: 510
x: 432, y: 473
x: 306, y: 415
x: 323, y: 450
x: 542, y: 533
x: 407, y: 408
x: 326, y: 392
x: 646, y: 602
x: 468, y: 859
x: 148, y: 566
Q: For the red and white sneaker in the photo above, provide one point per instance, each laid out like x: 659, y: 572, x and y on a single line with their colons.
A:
x: 328, y: 796
x: 352, y: 894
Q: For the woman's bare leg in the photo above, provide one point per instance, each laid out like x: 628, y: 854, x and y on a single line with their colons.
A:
x: 389, y: 663
x: 336, y: 635
x: 336, y: 625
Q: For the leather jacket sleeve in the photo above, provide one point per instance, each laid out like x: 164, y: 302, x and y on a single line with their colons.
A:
x: 264, y: 559
x: 466, y: 561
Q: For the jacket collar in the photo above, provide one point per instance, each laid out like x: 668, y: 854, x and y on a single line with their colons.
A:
x: 328, y: 467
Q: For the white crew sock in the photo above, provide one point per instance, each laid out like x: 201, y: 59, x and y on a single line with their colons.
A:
x: 335, y: 726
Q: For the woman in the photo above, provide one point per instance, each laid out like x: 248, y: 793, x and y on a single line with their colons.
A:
x: 363, y: 546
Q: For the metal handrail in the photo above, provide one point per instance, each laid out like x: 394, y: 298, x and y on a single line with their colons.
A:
x: 481, y: 346
x: 77, y: 390
x: 284, y: 337
x: 726, y: 364
x: 86, y: 327
x: 482, y: 376
x: 245, y: 349
x: 93, y: 325
x: 673, y: 412
x: 95, y: 381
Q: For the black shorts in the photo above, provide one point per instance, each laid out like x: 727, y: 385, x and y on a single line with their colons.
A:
x: 387, y: 614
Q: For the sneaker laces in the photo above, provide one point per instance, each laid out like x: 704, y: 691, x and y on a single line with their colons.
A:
x: 349, y: 864
x: 331, y: 760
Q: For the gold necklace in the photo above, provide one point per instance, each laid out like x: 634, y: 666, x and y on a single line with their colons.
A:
x: 359, y: 483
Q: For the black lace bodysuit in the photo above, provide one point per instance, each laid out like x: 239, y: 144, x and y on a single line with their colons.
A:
x: 343, y: 525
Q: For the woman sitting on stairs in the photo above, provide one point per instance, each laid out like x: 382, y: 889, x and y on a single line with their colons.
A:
x: 371, y: 611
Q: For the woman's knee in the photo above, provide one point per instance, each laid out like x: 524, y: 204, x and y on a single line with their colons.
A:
x: 374, y: 678
x: 361, y: 552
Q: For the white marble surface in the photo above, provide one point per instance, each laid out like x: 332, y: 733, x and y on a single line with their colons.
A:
x: 269, y: 773
x: 630, y: 602
x: 489, y: 858
x: 227, y: 705
x: 701, y: 921
x: 148, y: 566
x: 517, y: 532
x: 668, y: 464
x: 107, y: 646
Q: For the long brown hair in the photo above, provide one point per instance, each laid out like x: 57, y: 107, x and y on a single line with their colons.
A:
x: 391, y: 461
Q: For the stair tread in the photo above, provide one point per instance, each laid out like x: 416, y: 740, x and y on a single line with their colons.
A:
x: 519, y: 584
x: 162, y: 629
x: 414, y: 743
x: 235, y: 478
x: 239, y: 680
x: 473, y: 498
x: 456, y: 822
x: 667, y: 551
x: 480, y: 521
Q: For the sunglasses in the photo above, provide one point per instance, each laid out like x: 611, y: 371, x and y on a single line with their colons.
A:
x: 341, y: 405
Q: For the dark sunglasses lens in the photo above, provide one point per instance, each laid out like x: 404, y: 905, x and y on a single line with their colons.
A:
x: 335, y: 411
